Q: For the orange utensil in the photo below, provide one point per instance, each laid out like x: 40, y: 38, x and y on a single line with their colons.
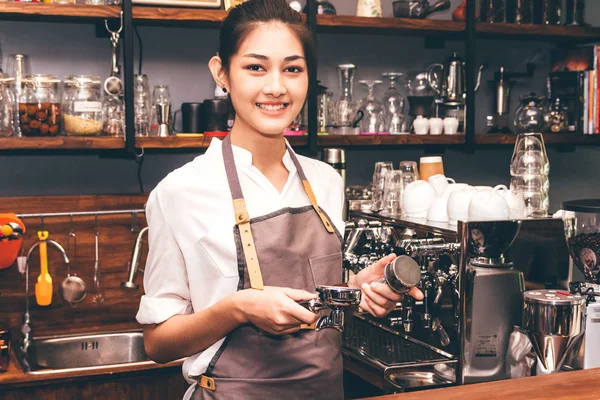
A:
x: 43, y: 287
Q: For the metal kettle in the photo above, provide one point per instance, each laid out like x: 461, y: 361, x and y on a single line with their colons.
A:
x: 451, y: 82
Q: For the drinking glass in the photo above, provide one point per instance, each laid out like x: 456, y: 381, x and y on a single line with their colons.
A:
x: 161, y: 113
x: 17, y: 66
x: 393, y: 105
x: 372, y: 121
x: 141, y: 93
x: 529, y: 155
x: 113, y: 116
x: 382, y: 169
x: 392, y: 195
x: 410, y: 172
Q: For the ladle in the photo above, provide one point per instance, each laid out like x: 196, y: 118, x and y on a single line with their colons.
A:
x: 72, y: 289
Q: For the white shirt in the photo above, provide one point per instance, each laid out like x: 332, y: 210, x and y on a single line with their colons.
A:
x: 192, y: 261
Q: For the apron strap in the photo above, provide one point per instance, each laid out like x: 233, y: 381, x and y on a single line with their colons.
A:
x: 242, y: 219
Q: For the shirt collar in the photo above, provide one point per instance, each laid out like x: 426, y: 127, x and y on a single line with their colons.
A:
x: 243, y: 157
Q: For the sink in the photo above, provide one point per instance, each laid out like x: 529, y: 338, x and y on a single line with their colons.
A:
x: 53, y: 354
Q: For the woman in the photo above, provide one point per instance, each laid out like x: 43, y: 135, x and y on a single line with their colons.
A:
x: 238, y: 236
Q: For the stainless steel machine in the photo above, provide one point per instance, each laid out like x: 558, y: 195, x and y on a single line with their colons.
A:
x: 473, y: 276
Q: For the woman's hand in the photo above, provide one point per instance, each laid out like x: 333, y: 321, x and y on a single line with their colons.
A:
x: 378, y: 299
x: 275, y: 310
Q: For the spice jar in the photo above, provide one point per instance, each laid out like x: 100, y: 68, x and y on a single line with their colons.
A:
x: 39, y: 106
x: 82, y: 105
x: 8, y: 106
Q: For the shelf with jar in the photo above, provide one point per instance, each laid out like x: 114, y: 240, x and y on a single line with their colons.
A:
x: 212, y: 18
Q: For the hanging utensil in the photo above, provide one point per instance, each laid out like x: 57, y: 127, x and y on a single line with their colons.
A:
x: 73, y: 288
x: 113, y: 85
x: 43, y: 287
x: 97, y: 287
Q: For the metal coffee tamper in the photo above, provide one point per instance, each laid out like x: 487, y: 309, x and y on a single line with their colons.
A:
x: 338, y: 299
x: 402, y: 274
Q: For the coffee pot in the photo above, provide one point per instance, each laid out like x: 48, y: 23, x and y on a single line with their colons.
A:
x: 451, y: 83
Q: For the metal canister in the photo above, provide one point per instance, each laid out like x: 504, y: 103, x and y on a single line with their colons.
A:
x: 554, y: 323
x: 337, y: 159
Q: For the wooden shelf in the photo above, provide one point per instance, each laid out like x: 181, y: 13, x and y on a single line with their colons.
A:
x: 549, y: 138
x: 538, y: 32
x: 180, y: 142
x: 390, y: 140
x: 62, y: 143
x: 352, y: 24
x: 166, y: 15
x: 49, y: 11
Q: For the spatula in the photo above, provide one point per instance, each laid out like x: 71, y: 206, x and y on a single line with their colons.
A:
x: 43, y: 287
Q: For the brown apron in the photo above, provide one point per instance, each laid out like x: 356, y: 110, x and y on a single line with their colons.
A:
x: 292, y: 247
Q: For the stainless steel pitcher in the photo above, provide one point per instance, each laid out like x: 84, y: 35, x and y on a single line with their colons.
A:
x: 451, y: 83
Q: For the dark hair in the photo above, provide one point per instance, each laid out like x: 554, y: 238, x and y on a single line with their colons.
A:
x: 242, y: 19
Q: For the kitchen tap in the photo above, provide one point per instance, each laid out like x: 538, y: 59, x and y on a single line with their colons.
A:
x: 26, y: 327
x: 134, y: 262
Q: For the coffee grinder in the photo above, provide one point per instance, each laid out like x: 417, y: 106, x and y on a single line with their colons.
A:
x: 501, y: 86
x: 493, y: 299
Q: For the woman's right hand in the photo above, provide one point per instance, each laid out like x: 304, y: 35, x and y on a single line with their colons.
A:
x: 275, y: 310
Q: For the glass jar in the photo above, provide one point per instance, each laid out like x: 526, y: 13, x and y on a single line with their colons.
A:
x: 8, y: 106
x: 530, y: 116
x: 113, y: 116
x: 39, y: 106
x: 82, y: 105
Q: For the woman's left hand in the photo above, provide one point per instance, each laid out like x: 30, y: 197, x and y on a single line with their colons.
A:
x: 377, y: 298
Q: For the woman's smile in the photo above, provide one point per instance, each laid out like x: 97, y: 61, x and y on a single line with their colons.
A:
x: 272, y: 109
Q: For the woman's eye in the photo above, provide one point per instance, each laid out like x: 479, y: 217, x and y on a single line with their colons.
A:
x: 254, y: 68
x: 294, y: 70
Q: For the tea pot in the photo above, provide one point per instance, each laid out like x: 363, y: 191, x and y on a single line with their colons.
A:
x: 451, y: 84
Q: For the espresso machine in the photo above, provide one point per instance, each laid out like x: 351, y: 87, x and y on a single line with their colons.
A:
x: 473, y: 276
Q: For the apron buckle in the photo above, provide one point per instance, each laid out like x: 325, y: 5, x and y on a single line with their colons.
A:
x: 206, y: 382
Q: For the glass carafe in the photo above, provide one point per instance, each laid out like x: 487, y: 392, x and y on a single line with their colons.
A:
x: 393, y: 103
x: 530, y: 116
x: 323, y: 117
x: 8, y: 106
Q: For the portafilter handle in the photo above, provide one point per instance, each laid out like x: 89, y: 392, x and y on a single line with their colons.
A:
x: 337, y: 298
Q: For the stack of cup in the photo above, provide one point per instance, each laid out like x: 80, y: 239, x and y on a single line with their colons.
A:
x: 529, y: 169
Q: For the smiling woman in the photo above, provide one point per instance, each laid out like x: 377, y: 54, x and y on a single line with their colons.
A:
x: 228, y: 299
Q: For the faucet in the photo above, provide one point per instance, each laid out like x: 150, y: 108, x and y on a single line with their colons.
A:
x: 26, y: 327
x: 134, y: 262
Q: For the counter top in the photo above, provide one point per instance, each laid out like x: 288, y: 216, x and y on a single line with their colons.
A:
x: 581, y: 385
x: 15, y: 377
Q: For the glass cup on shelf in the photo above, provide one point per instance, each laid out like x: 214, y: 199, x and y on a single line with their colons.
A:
x: 382, y: 170
x: 410, y: 172
x: 113, y: 116
x: 393, y: 105
x: 373, y: 120
x: 8, y: 106
x: 161, y: 111
x: 141, y: 99
x: 392, y: 194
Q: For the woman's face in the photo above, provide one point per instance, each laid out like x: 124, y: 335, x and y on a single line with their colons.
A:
x: 268, y: 79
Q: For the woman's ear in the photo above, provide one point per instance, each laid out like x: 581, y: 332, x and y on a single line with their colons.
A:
x: 218, y: 72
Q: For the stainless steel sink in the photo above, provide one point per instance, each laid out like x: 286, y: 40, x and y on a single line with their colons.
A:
x: 52, y: 354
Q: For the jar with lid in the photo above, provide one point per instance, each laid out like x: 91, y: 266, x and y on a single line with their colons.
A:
x: 8, y: 106
x: 113, y: 116
x: 530, y: 116
x: 82, y: 105
x: 39, y: 106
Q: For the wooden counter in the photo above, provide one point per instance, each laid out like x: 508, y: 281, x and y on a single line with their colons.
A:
x: 580, y: 385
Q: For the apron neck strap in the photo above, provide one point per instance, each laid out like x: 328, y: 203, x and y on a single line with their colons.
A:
x: 236, y: 190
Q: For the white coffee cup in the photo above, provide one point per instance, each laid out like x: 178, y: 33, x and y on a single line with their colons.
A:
x: 416, y: 198
x: 438, y: 211
x: 436, y: 126
x: 458, y: 204
x: 450, y: 125
x: 489, y: 205
x: 421, y: 125
x: 440, y: 182
x: 453, y: 187
x: 483, y: 188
